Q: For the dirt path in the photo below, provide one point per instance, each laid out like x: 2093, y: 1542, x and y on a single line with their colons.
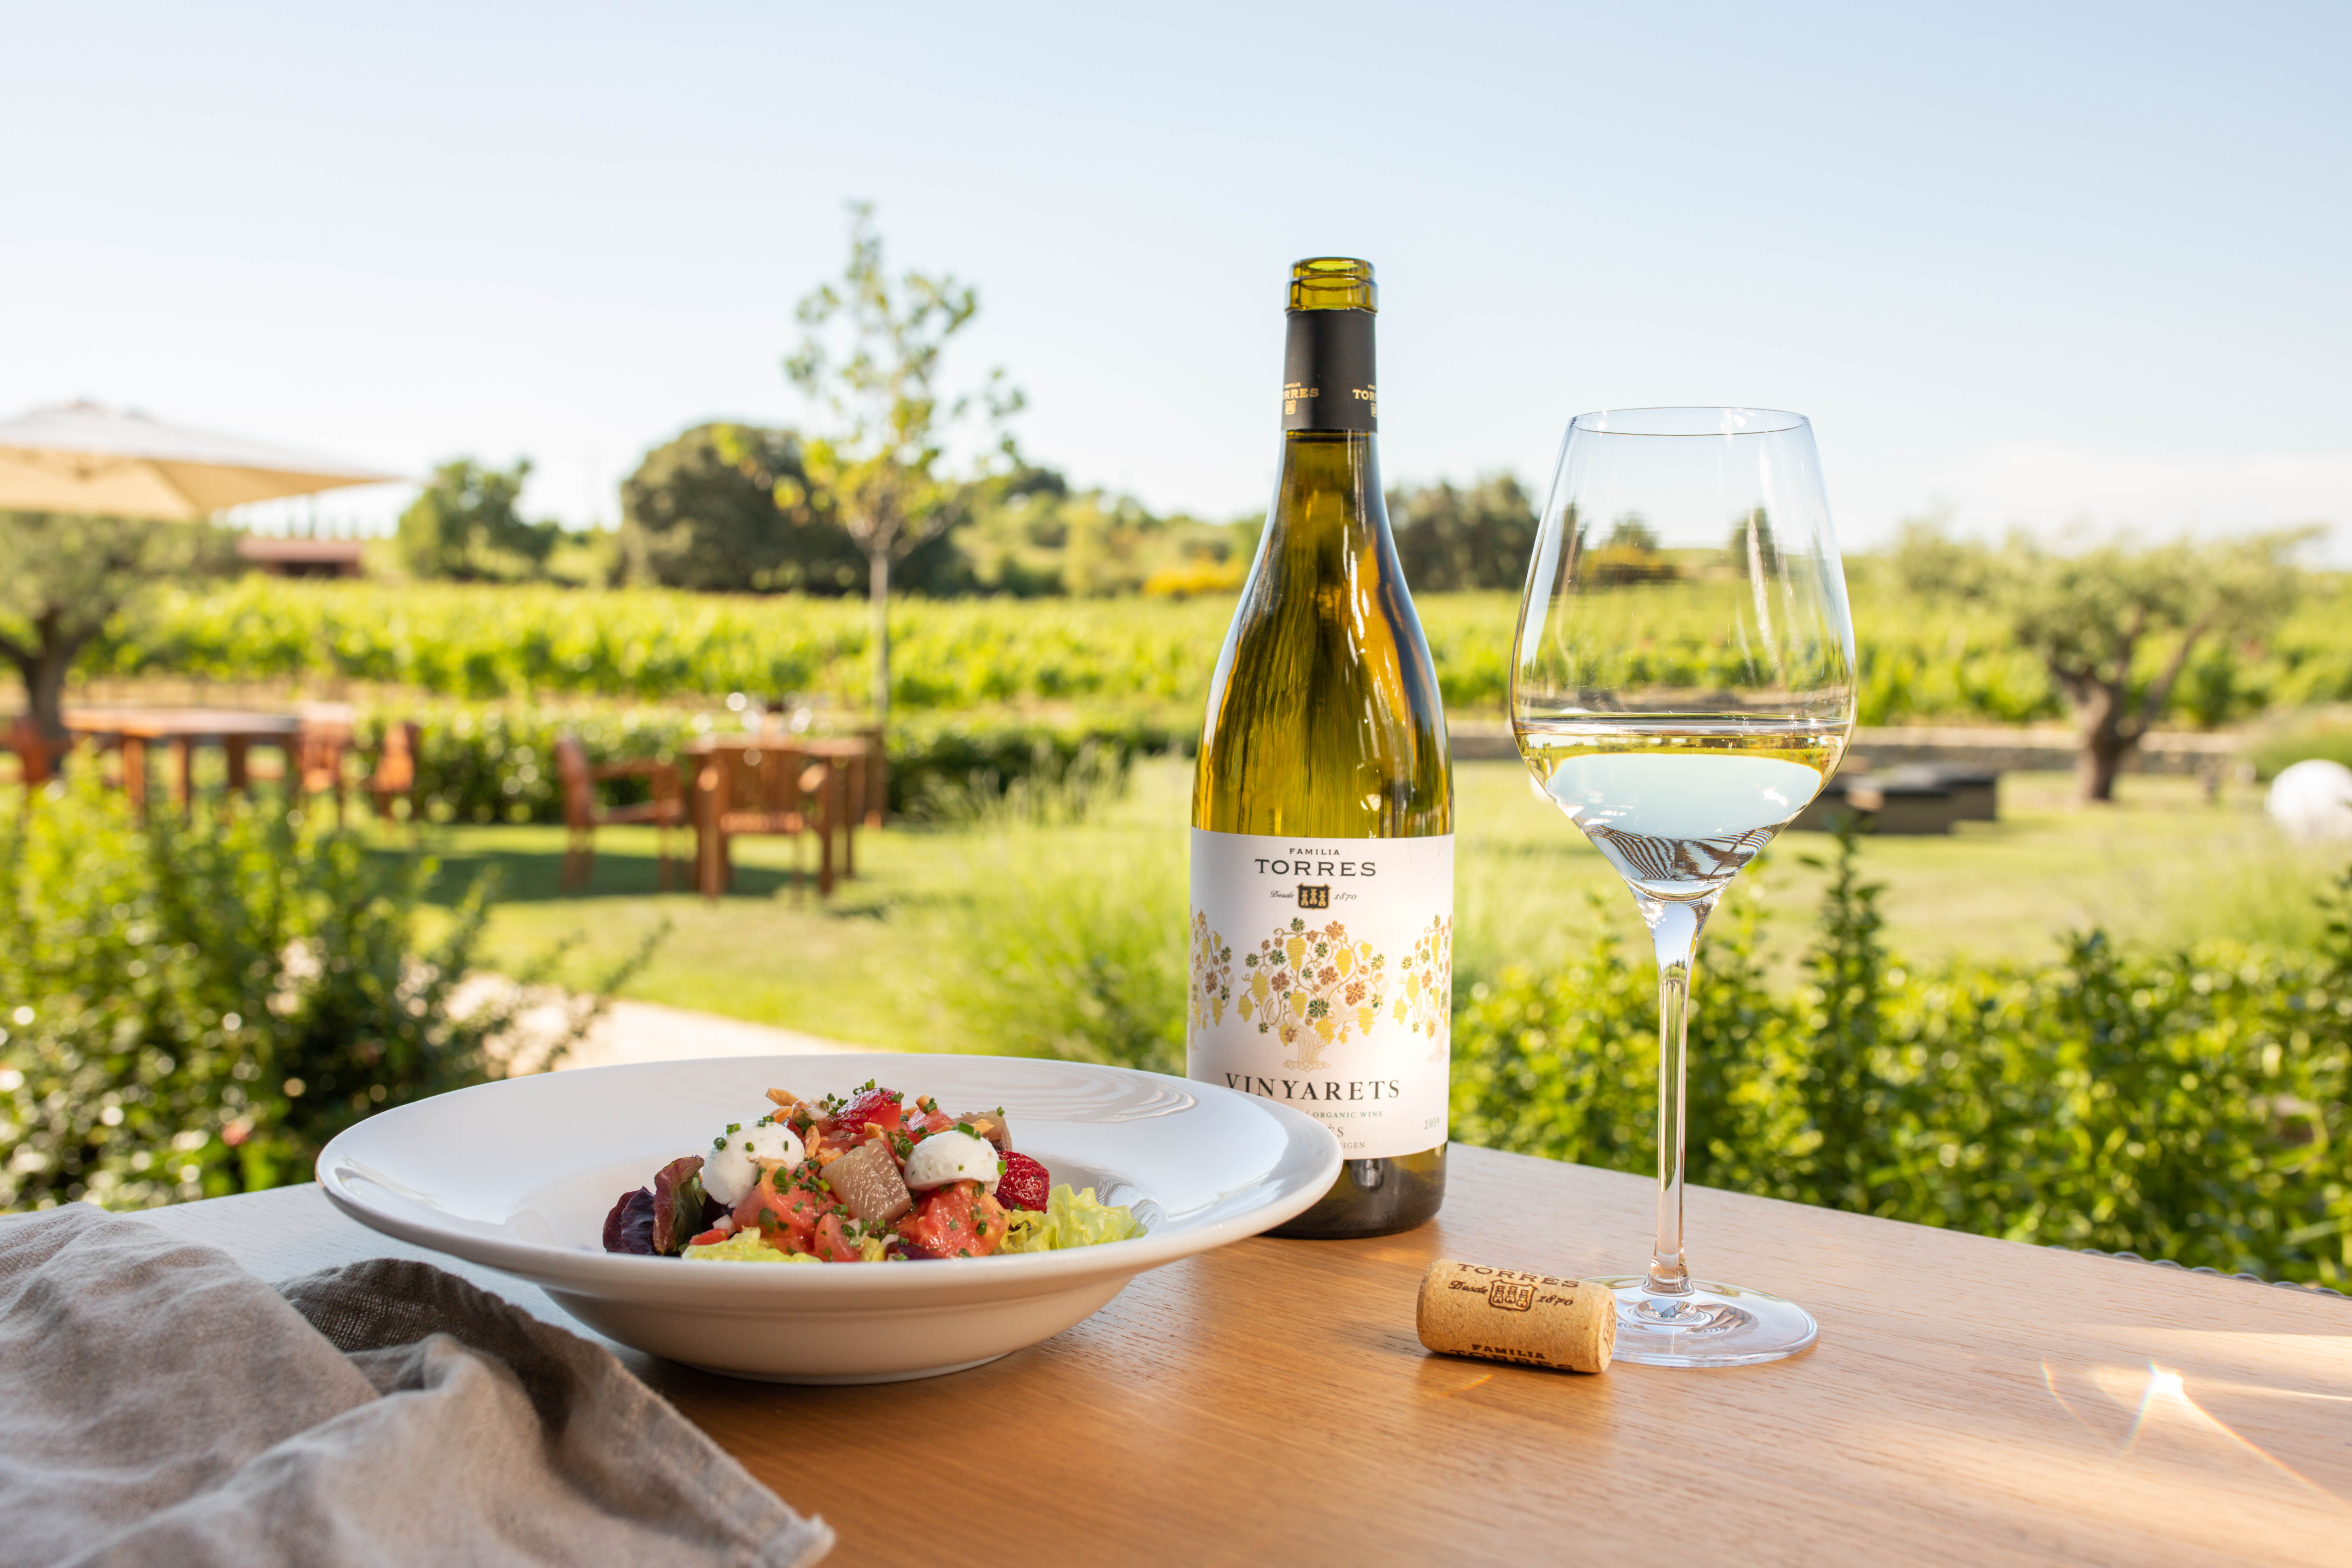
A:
x: 639, y: 1031
x: 648, y: 1032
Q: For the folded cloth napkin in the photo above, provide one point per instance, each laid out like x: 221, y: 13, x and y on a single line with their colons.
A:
x: 159, y: 1405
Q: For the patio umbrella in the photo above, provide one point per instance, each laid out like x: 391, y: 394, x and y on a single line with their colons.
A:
x: 81, y: 457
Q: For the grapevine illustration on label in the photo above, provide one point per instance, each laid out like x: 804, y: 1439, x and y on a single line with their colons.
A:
x: 1213, y: 975
x: 1313, y: 988
x: 1427, y: 1002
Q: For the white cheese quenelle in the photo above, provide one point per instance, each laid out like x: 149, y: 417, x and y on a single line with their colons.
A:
x: 952, y: 1156
x: 730, y: 1170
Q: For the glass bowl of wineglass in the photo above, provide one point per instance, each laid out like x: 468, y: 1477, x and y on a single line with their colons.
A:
x: 1682, y: 686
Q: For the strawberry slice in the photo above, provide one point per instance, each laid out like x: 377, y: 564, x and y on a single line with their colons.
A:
x: 1024, y: 1184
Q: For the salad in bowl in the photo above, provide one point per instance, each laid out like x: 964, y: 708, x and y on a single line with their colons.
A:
x: 1134, y: 1170
x: 871, y: 1177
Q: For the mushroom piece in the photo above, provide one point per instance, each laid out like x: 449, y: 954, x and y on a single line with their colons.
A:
x: 989, y: 1124
x: 867, y: 1183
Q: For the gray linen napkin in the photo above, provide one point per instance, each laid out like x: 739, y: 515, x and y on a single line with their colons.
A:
x: 159, y: 1405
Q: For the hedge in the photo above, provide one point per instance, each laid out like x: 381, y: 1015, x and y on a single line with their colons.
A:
x: 494, y: 762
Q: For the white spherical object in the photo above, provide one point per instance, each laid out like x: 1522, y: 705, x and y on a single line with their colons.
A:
x: 945, y: 1157
x: 2312, y: 800
x: 729, y: 1169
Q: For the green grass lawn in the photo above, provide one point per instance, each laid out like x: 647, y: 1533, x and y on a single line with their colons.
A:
x: 2162, y: 866
x: 894, y: 959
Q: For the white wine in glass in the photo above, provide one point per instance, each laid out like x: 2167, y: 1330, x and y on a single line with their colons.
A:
x: 1681, y: 684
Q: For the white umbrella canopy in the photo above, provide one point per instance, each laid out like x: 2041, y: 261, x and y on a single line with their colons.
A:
x: 81, y: 457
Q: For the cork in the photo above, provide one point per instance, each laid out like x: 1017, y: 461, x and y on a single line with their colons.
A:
x: 1506, y: 1314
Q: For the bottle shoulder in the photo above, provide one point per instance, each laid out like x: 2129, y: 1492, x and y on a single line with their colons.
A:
x: 1327, y: 721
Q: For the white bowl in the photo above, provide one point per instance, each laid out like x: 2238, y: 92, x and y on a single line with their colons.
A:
x: 519, y: 1175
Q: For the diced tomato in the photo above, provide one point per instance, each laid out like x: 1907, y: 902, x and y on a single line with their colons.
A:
x: 833, y: 1243
x: 789, y: 1218
x: 711, y: 1238
x: 917, y: 1123
x: 959, y: 1220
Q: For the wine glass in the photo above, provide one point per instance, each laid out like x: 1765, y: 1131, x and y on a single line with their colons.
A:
x: 1681, y: 684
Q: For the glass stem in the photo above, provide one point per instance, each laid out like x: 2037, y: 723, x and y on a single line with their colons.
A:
x: 1674, y: 930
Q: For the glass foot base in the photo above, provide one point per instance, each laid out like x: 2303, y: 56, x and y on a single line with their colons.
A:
x: 1714, y: 1325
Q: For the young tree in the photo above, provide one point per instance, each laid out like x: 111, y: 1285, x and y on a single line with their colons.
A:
x: 467, y: 524
x: 63, y: 577
x: 870, y: 356
x: 2091, y: 615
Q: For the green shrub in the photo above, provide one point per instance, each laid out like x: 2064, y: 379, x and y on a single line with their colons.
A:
x: 1068, y: 944
x: 1565, y: 1064
x: 945, y: 768
x: 484, y: 762
x: 191, y: 1011
x: 2185, y: 1105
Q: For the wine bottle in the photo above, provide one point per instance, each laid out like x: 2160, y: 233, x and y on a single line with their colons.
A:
x: 1322, y: 908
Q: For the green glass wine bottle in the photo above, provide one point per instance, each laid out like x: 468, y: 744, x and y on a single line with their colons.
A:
x: 1322, y: 909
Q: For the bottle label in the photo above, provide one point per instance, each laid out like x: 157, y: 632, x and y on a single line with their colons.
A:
x: 1322, y: 975
x: 1327, y: 371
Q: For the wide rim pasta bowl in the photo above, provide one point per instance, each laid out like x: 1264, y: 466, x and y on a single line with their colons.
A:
x: 520, y: 1174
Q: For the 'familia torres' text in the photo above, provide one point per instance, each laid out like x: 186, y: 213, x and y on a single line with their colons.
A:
x: 1270, y: 866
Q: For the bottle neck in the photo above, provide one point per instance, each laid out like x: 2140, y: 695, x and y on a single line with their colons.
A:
x: 1328, y: 373
x: 1327, y: 508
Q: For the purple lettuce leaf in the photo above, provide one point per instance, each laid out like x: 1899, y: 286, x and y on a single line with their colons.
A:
x: 630, y: 1226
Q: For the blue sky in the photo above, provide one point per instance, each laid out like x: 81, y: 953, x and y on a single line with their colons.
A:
x: 2026, y: 263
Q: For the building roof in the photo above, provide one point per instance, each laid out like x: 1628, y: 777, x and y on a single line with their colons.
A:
x: 269, y: 550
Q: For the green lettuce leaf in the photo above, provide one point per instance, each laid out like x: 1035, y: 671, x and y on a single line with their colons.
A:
x: 746, y: 1246
x: 1071, y: 1219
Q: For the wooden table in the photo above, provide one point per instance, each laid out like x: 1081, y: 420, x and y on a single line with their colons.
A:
x: 183, y: 730
x: 855, y: 761
x: 833, y: 811
x: 1970, y: 1401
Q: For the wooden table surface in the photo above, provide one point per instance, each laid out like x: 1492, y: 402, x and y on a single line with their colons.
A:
x: 1970, y: 1401
x: 175, y: 723
x: 181, y: 729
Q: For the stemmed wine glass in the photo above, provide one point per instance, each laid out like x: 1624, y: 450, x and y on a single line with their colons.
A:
x: 1681, y: 684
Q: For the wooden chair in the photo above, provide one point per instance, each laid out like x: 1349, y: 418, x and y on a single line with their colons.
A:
x: 36, y: 755
x: 395, y: 771
x: 581, y: 816
x: 320, y: 744
x: 767, y: 787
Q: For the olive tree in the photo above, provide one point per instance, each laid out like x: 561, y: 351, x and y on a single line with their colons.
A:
x: 869, y: 358
x: 63, y: 576
x: 2116, y: 623
x: 1473, y: 536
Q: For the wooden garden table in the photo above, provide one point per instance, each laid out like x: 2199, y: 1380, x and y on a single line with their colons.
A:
x: 1970, y: 1401
x: 183, y: 730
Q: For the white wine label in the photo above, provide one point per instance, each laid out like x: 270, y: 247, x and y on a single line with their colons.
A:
x: 1322, y: 975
